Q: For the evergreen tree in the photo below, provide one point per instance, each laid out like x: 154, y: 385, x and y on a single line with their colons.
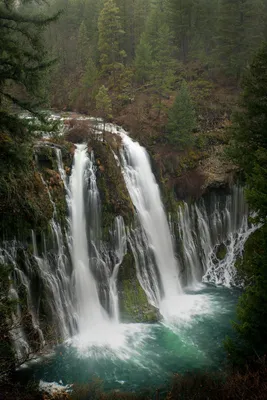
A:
x: 180, y: 17
x: 249, y: 140
x: 83, y: 46
x: 249, y: 343
x: 204, y: 25
x: 90, y: 74
x: 103, y: 104
x: 110, y: 31
x: 155, y: 21
x: 240, y: 33
x: 23, y: 69
x: 163, y: 65
x: 143, y: 61
x: 133, y: 17
x: 182, y: 120
x: 249, y: 151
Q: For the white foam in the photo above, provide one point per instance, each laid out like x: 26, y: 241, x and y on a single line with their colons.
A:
x: 53, y: 388
x: 185, y: 307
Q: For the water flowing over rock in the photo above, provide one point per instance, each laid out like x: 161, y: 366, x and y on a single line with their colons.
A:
x: 88, y: 306
x: 87, y: 272
x: 145, y: 195
x: 212, y: 235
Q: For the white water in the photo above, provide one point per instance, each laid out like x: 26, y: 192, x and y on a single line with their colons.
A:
x: 120, y: 240
x: 145, y: 195
x: 90, y: 313
x: 79, y: 296
x: 204, y: 228
x: 187, y: 232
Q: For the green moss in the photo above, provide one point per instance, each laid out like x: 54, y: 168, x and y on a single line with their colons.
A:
x: 221, y: 252
x: 25, y: 205
x: 48, y: 167
x: 134, y: 305
x: 114, y: 195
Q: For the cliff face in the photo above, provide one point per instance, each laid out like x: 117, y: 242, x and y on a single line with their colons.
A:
x: 40, y: 256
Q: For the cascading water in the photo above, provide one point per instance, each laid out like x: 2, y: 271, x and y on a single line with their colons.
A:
x: 90, y: 313
x: 145, y: 196
x: 120, y: 242
x: 193, y: 270
x: 220, y: 223
x: 75, y: 278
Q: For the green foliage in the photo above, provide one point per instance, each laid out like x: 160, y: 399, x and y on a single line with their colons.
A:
x: 103, y: 103
x: 90, y: 74
x: 250, y: 340
x: 248, y: 134
x: 110, y: 32
x: 249, y: 151
x: 23, y: 59
x: 182, y: 119
x: 24, y: 65
x: 163, y: 63
x: 143, y: 61
x: 240, y: 32
x: 83, y: 44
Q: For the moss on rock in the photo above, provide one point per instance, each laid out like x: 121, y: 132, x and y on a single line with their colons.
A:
x: 134, y: 305
x: 48, y: 167
x: 221, y: 252
x: 114, y: 195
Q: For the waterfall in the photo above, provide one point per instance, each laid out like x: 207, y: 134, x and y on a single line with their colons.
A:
x: 145, y: 196
x: 90, y: 312
x: 186, y: 227
x: 210, y: 227
x: 120, y: 250
x: 69, y: 275
x: 147, y: 274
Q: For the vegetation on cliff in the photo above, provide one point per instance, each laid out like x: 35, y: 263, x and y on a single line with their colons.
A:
x: 24, y: 201
x: 249, y: 150
x: 114, y: 196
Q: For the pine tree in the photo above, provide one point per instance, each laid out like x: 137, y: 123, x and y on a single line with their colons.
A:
x: 110, y: 32
x: 90, y: 74
x: 83, y: 46
x: 248, y: 149
x: 204, y: 24
x: 163, y: 65
x: 103, y: 104
x: 249, y: 140
x: 143, y: 61
x: 182, y: 120
x: 240, y: 33
x: 23, y: 69
x: 180, y: 17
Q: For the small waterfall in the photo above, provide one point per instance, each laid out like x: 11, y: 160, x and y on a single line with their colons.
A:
x: 145, y: 196
x: 186, y: 229
x: 20, y: 282
x: 217, y: 225
x: 53, y: 275
x: 147, y: 274
x: 120, y: 250
x: 90, y: 312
